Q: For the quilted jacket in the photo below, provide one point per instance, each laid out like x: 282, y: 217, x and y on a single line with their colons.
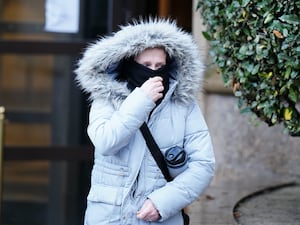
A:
x: 124, y: 174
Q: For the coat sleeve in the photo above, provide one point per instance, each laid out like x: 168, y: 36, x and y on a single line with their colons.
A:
x: 188, y: 185
x: 110, y: 129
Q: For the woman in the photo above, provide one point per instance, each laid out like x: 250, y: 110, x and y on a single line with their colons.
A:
x: 146, y: 72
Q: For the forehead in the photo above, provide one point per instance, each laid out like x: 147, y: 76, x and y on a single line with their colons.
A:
x: 151, y: 53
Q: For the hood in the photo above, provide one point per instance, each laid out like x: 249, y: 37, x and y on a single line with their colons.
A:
x: 95, y: 73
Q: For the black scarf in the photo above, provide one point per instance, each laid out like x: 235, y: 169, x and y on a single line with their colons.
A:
x: 136, y: 74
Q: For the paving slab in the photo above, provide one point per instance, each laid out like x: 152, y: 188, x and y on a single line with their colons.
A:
x: 218, y: 205
x: 272, y: 206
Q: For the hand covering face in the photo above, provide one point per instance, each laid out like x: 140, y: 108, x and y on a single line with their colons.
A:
x: 136, y: 74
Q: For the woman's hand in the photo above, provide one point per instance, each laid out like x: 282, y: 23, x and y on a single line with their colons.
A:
x: 153, y: 87
x: 148, y: 212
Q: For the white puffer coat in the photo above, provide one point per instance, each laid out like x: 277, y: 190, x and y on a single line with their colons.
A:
x: 124, y: 173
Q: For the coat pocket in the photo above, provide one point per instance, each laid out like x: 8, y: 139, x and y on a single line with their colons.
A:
x: 110, y: 174
x: 108, y: 183
x: 106, y: 194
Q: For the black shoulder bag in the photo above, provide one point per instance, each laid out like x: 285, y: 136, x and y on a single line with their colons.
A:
x: 160, y: 161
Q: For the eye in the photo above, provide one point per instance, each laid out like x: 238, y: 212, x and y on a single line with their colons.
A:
x: 160, y: 65
x: 147, y: 64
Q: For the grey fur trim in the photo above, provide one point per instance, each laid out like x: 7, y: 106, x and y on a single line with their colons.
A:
x: 92, y: 71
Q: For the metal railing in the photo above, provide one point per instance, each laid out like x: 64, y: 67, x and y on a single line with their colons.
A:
x: 2, y: 110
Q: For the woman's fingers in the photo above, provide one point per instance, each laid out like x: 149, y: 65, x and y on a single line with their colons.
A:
x: 153, y: 87
x: 148, y: 212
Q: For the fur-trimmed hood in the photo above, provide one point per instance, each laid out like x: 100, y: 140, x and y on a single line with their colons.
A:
x: 95, y: 72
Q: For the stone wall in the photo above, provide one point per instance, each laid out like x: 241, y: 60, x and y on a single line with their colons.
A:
x: 243, y: 148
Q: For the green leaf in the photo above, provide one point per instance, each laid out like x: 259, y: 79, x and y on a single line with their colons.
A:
x: 245, y: 110
x: 294, y: 74
x: 288, y: 72
x: 292, y: 19
x: 206, y: 35
x: 238, y: 93
x: 274, y: 118
x: 268, y: 18
x: 245, y: 3
x: 293, y: 95
x: 255, y: 69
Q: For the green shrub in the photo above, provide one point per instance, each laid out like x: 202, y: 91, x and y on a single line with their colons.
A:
x: 256, y: 45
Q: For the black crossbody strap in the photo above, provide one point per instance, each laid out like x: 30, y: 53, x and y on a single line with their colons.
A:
x: 155, y: 151
x: 160, y: 161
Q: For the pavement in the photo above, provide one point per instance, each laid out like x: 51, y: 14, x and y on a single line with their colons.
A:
x: 273, y: 206
x: 248, y: 199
